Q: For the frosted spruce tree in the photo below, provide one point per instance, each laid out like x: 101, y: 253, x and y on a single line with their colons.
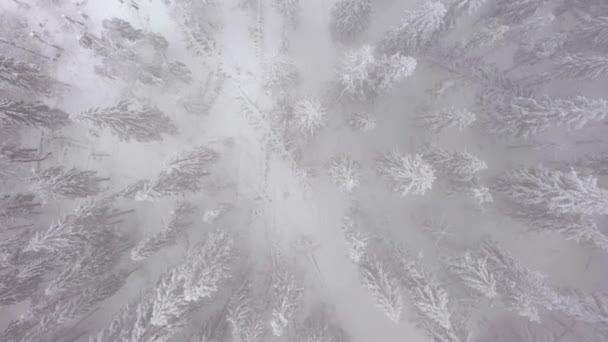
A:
x: 59, y: 182
x: 28, y: 77
x: 406, y: 173
x: 183, y: 174
x: 436, y: 121
x: 280, y: 75
x: 345, y: 173
x: 417, y: 29
x: 384, y: 286
x: 320, y: 326
x: 365, y: 74
x: 290, y: 11
x: 473, y: 271
x: 286, y: 294
x: 362, y: 122
x: 456, y: 166
x: 164, y: 310
x: 71, y: 234
x: 167, y: 236
x: 526, y: 117
x: 349, y: 18
x: 129, y: 122
x: 309, y: 117
x: 14, y: 114
x: 427, y: 296
x: 245, y: 316
x: 559, y: 192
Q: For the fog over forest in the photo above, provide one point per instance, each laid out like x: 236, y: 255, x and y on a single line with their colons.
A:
x: 303, y: 170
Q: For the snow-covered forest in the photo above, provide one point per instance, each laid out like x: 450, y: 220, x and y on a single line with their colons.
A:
x: 303, y: 170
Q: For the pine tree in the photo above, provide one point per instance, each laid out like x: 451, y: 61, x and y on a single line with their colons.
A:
x: 417, y: 29
x: 406, y: 173
x: 245, y: 317
x: 349, y: 18
x: 165, y: 309
x: 364, y: 75
x: 577, y: 228
x: 356, y: 240
x: 309, y: 117
x: 578, y: 65
x: 555, y: 191
x: 16, y: 206
x: 362, y: 122
x: 289, y: 9
x: 60, y: 182
x: 473, y: 271
x: 128, y: 123
x: 516, y: 11
x: 592, y: 31
x: 319, y: 327
x: 523, y: 291
x: 525, y: 117
x: 74, y: 232
x: 440, y: 120
x: 384, y: 286
x: 15, y: 114
x: 195, y: 161
x: 21, y: 284
x: 426, y: 295
x: 457, y: 166
x: 345, y: 173
x: 27, y: 77
x: 280, y: 75
x: 166, y: 237
x: 286, y: 295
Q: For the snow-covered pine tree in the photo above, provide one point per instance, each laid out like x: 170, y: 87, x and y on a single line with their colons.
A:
x: 457, y: 166
x: 575, y: 227
x: 130, y: 122
x: 416, y: 31
x: 20, y: 284
x: 436, y: 121
x: 384, y: 286
x: 592, y: 31
x: 309, y: 117
x: 165, y: 309
x: 526, y: 117
x: 362, y: 122
x: 60, y: 182
x: 19, y: 113
x: 406, y: 173
x: 428, y: 297
x: 286, y: 294
x: 290, y: 10
x: 319, y: 326
x: 364, y: 75
x: 74, y: 232
x: 280, y: 75
x: 472, y: 270
x: 459, y: 8
x: 27, y: 77
x: 576, y: 66
x: 244, y: 315
x: 516, y: 11
x: 16, y: 206
x: 345, y: 173
x: 356, y: 240
x: 558, y: 192
x: 167, y: 236
x: 349, y: 18
x: 195, y: 161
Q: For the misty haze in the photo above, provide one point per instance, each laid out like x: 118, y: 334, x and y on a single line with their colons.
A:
x: 303, y: 170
